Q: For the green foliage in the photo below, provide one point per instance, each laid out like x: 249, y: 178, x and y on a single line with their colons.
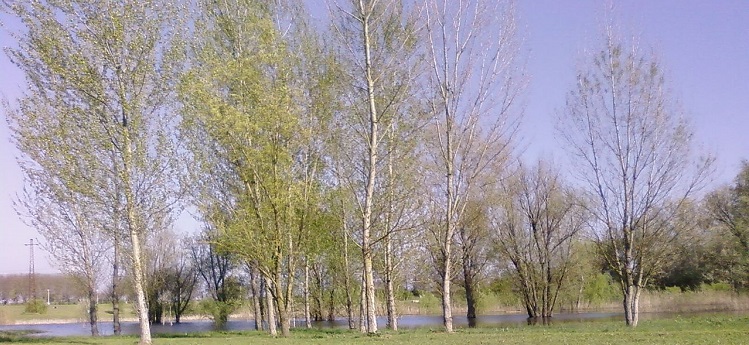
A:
x: 503, y: 291
x: 428, y: 301
x: 36, y: 306
x: 729, y: 209
x: 485, y: 301
x: 218, y: 311
x: 601, y: 289
x: 718, y: 286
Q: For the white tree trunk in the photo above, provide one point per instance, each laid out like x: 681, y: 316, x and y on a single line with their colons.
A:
x: 141, y: 305
x: 362, y: 308
x: 371, y: 177
x: 270, y: 308
x: 390, y: 289
x: 447, y: 311
x: 133, y: 227
x: 307, y: 316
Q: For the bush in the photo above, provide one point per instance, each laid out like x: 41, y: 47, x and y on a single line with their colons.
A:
x: 218, y: 311
x: 429, y: 303
x: 601, y: 289
x: 36, y: 306
x: 717, y: 287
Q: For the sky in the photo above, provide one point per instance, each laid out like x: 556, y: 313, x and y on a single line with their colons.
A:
x: 703, y: 46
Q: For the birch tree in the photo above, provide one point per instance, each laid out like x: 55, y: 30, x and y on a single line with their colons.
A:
x: 633, y: 150
x: 402, y: 199
x: 106, y: 68
x: 474, y: 81
x: 376, y: 43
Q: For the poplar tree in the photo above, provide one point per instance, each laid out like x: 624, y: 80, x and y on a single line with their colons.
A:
x: 99, y: 77
x: 474, y: 79
x: 254, y: 101
x: 376, y: 47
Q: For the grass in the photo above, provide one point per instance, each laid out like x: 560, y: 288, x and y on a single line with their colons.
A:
x: 679, y: 330
x: 10, y: 314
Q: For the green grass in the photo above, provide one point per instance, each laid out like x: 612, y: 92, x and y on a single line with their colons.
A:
x: 691, y: 330
x: 10, y: 314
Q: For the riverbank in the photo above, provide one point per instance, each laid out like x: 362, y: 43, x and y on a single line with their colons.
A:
x: 651, y: 302
x: 677, y: 330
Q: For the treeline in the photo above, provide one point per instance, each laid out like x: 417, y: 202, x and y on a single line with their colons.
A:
x: 342, y: 164
x: 17, y: 288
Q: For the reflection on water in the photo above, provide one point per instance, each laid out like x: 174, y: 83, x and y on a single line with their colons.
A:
x: 405, y: 322
x: 105, y: 328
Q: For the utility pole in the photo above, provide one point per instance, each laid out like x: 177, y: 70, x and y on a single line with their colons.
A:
x: 32, y: 282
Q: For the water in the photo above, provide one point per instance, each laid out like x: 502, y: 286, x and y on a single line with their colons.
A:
x: 194, y: 326
x: 404, y: 322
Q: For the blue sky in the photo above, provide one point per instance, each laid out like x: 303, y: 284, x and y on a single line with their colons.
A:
x: 703, y: 46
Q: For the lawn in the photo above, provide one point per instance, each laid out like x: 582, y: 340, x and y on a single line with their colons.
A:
x: 689, y: 330
x: 10, y: 314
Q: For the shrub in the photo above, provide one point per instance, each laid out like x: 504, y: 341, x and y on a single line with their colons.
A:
x: 36, y: 306
x: 601, y: 289
x: 717, y: 287
x: 218, y: 311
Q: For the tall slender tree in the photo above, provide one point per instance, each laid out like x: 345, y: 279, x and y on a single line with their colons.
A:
x: 376, y: 43
x: 106, y: 69
x: 474, y: 81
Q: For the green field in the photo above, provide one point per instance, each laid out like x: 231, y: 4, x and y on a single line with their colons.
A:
x: 691, y: 330
x: 10, y: 314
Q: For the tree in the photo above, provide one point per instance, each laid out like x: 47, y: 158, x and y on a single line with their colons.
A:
x: 215, y: 266
x: 474, y: 80
x: 376, y: 46
x: 118, y: 237
x: 729, y: 208
x: 106, y: 69
x: 181, y: 280
x: 401, y: 201
x: 536, y: 225
x: 171, y: 275
x: 633, y: 151
x: 158, y: 256
x: 53, y: 207
x: 257, y: 303
x: 253, y: 99
x: 473, y: 243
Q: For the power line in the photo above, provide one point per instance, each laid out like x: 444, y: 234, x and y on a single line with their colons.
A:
x: 32, y: 274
